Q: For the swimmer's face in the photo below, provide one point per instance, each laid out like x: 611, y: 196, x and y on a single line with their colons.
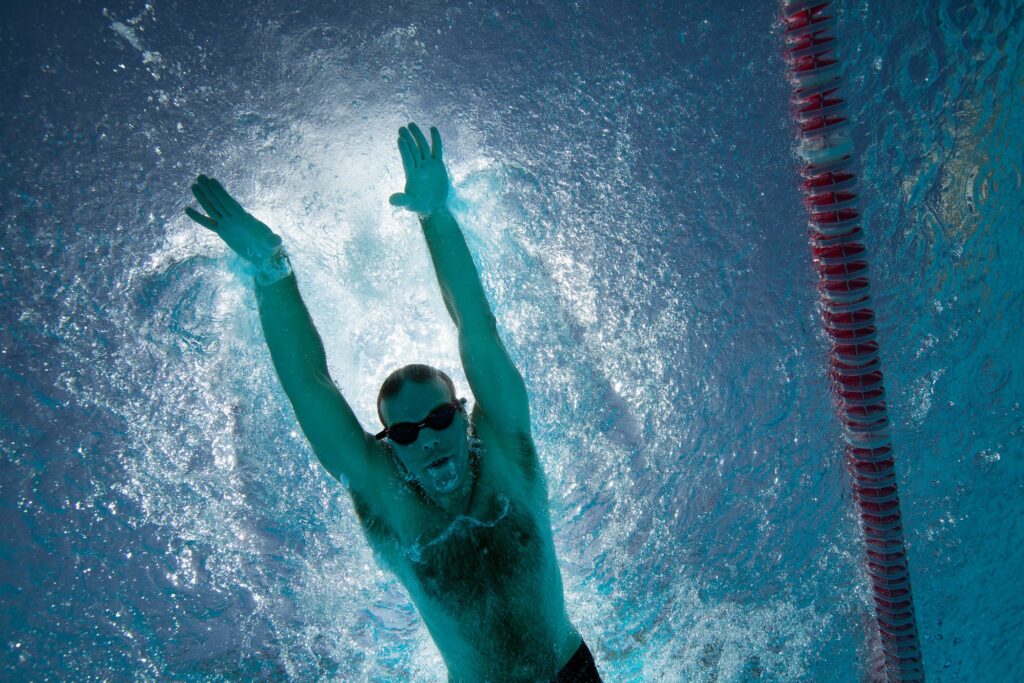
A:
x: 437, y: 459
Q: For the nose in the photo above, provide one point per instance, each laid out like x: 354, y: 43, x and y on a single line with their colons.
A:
x: 429, y: 440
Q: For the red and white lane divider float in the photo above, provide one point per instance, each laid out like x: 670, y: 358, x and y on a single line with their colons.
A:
x: 830, y: 188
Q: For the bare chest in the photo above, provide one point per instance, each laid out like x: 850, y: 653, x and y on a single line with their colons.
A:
x: 489, y: 591
x: 486, y: 583
x: 495, y: 557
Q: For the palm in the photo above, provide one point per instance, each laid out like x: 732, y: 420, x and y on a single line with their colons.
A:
x: 426, y: 178
x: 241, y: 231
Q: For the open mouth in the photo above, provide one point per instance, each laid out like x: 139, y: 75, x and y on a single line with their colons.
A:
x: 440, y: 462
x: 442, y: 475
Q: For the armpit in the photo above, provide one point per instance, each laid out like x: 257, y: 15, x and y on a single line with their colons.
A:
x: 525, y: 454
x: 374, y: 525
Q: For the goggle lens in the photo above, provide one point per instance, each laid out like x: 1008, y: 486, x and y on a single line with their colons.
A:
x: 404, y: 433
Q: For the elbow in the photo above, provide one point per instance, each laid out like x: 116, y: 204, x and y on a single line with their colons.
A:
x: 478, y: 327
x: 321, y: 379
x: 478, y: 321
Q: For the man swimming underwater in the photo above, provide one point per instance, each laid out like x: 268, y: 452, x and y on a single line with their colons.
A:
x: 455, y: 504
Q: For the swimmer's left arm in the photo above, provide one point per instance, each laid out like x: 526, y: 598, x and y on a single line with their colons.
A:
x: 498, y: 388
x: 497, y: 385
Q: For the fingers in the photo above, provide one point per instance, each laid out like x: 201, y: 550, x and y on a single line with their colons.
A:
x: 199, y: 192
x: 222, y: 197
x: 421, y: 141
x: 216, y: 193
x: 414, y: 149
x: 405, y: 148
x: 400, y: 199
x: 215, y: 196
x: 435, y: 140
x: 413, y: 146
x: 202, y: 220
x: 215, y: 200
x: 210, y: 190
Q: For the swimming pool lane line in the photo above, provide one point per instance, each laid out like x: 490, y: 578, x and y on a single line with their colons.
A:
x: 855, y: 372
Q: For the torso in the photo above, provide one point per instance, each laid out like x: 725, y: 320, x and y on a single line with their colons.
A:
x: 486, y: 583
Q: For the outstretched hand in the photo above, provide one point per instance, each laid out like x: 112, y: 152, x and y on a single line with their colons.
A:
x: 249, y: 238
x: 426, y: 179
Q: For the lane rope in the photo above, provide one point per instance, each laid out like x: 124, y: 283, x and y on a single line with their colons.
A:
x: 831, y: 197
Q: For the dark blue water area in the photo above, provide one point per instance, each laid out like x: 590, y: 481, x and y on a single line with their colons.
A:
x: 626, y: 179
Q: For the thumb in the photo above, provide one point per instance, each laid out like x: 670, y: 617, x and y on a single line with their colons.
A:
x: 271, y: 240
x: 400, y: 199
x: 201, y: 219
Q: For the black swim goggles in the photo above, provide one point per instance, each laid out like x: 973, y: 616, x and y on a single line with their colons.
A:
x: 441, y: 417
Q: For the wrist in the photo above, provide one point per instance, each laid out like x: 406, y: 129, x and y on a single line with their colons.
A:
x: 273, y: 267
x: 440, y: 212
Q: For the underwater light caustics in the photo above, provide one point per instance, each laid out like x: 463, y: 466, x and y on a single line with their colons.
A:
x: 831, y: 197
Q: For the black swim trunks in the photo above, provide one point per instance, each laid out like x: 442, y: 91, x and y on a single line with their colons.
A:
x: 580, y: 668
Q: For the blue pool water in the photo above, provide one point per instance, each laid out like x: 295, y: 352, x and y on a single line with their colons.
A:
x: 625, y: 176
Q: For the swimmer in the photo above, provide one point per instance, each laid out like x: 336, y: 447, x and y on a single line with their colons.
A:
x: 453, y: 502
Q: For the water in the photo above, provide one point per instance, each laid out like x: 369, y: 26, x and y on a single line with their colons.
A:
x: 625, y: 179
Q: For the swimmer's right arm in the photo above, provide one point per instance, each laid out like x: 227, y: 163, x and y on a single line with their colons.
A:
x: 296, y: 349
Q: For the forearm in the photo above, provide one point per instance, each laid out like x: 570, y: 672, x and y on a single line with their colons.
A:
x: 326, y: 419
x: 295, y: 345
x: 497, y: 386
x: 456, y: 273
